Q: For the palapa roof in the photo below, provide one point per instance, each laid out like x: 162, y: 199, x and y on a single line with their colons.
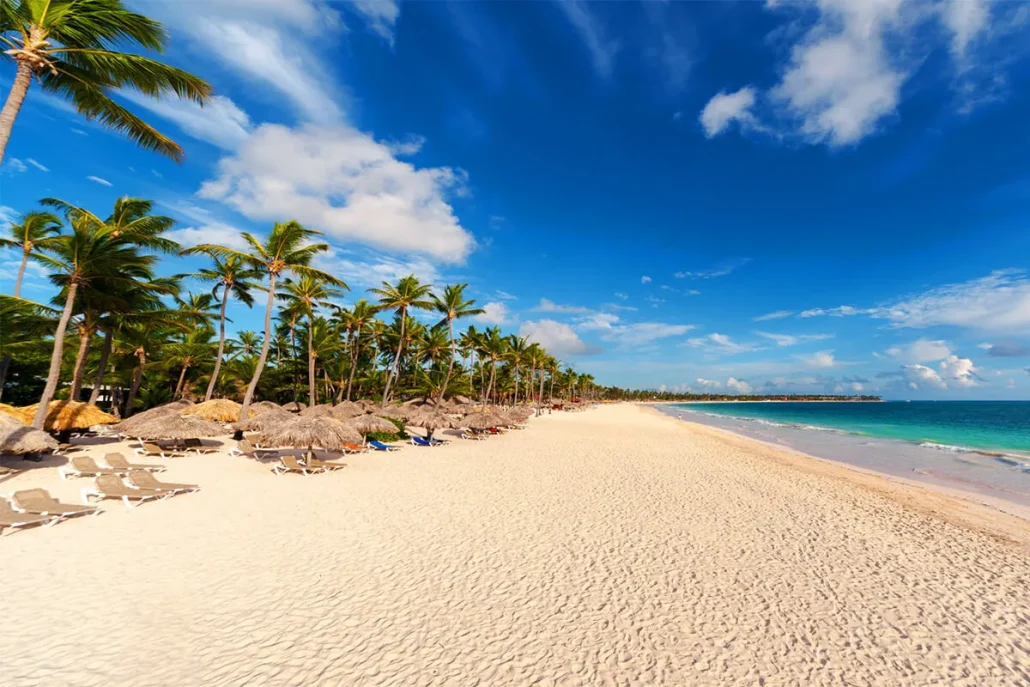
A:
x: 15, y: 437
x: 482, y: 421
x: 217, y: 410
x: 321, y: 410
x: 177, y: 426
x: 263, y: 406
x: 12, y: 412
x: 347, y: 409
x: 367, y: 422
x: 65, y: 415
x: 126, y: 426
x: 310, y: 432
x: 266, y: 420
x: 431, y: 419
x: 399, y: 412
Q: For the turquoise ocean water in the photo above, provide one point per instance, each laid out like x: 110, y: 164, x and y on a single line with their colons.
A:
x: 990, y: 425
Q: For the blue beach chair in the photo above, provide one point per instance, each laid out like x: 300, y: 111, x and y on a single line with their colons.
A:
x: 380, y: 446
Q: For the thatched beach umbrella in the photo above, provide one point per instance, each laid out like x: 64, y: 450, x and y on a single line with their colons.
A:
x: 176, y: 427
x: 217, y: 410
x: 312, y: 432
x: 267, y: 420
x: 264, y: 406
x: 16, y: 437
x: 14, y: 413
x: 295, y: 406
x: 367, y: 423
x: 126, y: 426
x: 64, y: 416
x: 399, y: 412
x: 431, y: 420
x: 347, y: 409
x: 321, y: 410
x: 482, y: 421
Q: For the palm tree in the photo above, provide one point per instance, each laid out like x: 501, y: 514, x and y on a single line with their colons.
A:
x: 517, y: 349
x: 494, y: 348
x: 453, y: 305
x: 194, y: 350
x: 68, y: 46
x: 231, y: 275
x: 406, y: 294
x: 37, y: 233
x: 248, y: 341
x: 306, y: 295
x: 285, y: 250
x: 357, y: 319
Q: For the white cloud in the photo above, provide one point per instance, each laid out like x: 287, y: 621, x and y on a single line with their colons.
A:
x: 820, y: 359
x: 966, y: 19
x: 37, y: 165
x: 777, y: 315
x: 381, y: 15
x: 708, y: 383
x: 920, y: 351
x: 557, y: 337
x: 547, y: 305
x: 793, y: 340
x: 959, y: 370
x: 13, y: 165
x: 8, y: 215
x: 841, y: 311
x: 219, y: 122
x: 495, y: 313
x: 738, y: 386
x: 720, y: 343
x: 602, y: 49
x: 621, y: 296
x: 346, y: 183
x: 999, y: 302
x: 102, y: 182
x: 921, y: 377
x: 720, y: 270
x: 215, y: 232
x: 505, y: 296
x: 361, y: 269
x: 611, y: 328
x: 645, y: 280
x: 725, y: 108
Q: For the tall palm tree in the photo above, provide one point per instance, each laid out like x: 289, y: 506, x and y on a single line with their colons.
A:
x: 306, y: 295
x: 37, y: 233
x: 494, y: 349
x: 69, y: 47
x: 194, y: 350
x: 357, y: 318
x: 248, y: 341
x: 516, y: 354
x: 408, y: 293
x: 287, y: 249
x: 230, y: 276
x: 453, y: 305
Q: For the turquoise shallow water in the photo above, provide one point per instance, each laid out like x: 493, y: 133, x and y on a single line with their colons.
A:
x: 987, y: 425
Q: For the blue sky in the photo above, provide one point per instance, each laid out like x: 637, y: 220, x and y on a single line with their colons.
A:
x: 789, y: 196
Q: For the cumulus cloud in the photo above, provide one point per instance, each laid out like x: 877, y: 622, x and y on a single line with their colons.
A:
x: 557, y: 337
x: 645, y: 280
x: 346, y: 183
x: 738, y: 386
x: 922, y: 377
x: 794, y: 340
x: 709, y: 383
x: 920, y: 351
x: 966, y: 19
x: 547, y: 305
x: 776, y: 315
x: 214, y: 232
x: 820, y: 359
x: 725, y: 108
x: 494, y: 313
x: 959, y: 370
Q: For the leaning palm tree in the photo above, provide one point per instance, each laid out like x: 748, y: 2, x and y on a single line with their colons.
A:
x: 453, y: 305
x: 406, y: 294
x: 494, y: 348
x: 518, y: 347
x: 287, y: 249
x: 36, y: 234
x: 357, y: 318
x: 231, y: 276
x: 307, y: 294
x: 70, y: 47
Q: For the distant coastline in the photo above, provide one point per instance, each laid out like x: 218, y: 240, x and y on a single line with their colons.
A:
x: 765, y: 399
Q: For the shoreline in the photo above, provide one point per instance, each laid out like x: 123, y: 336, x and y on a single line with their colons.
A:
x: 955, y: 505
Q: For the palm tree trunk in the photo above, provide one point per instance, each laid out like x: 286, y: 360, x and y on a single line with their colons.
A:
x: 515, y: 402
x: 312, y: 395
x: 493, y: 373
x: 397, y: 359
x: 293, y: 368
x: 541, y: 386
x: 450, y: 363
x: 221, y: 346
x: 20, y: 87
x: 249, y: 397
x: 85, y: 336
x: 21, y: 273
x: 53, y: 376
x: 551, y: 392
x: 182, y: 378
x: 105, y: 353
x: 355, y: 353
x: 137, y: 379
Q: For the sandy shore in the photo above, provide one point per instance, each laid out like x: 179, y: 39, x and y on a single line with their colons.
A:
x: 607, y: 547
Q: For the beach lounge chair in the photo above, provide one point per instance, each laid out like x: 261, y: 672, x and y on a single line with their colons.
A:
x: 118, y: 462
x: 355, y: 448
x: 327, y: 464
x: 146, y: 480
x: 11, y: 519
x: 243, y: 447
x: 40, y: 502
x: 471, y: 436
x: 84, y: 466
x: 380, y: 446
x: 110, y: 487
x: 419, y: 441
x: 198, y: 446
x: 151, y: 450
x: 290, y: 464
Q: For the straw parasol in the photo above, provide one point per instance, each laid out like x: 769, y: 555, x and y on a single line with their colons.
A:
x: 399, y: 412
x: 431, y: 420
x: 269, y: 419
x: 347, y: 409
x: 482, y: 421
x: 12, y: 412
x: 312, y: 432
x: 217, y: 410
x: 15, y: 437
x: 177, y: 426
x: 367, y: 423
x: 321, y: 410
x: 64, y: 416
x: 126, y: 426
x: 295, y: 406
x: 263, y: 406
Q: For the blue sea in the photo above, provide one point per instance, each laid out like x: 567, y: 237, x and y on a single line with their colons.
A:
x: 978, y: 446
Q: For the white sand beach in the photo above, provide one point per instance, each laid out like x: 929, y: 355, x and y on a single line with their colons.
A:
x: 609, y: 547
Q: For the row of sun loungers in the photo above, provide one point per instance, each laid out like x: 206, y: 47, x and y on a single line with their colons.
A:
x: 117, y: 464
